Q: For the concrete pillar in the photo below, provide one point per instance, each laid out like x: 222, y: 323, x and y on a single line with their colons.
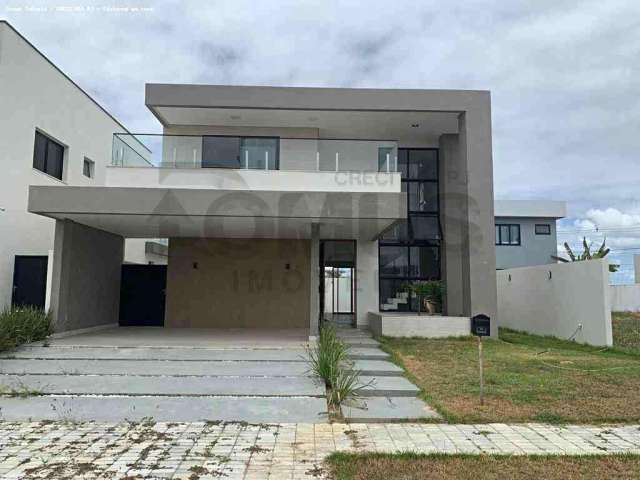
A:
x: 85, y: 282
x: 453, y: 219
x: 468, y: 217
x: 367, y: 289
x: 314, y: 283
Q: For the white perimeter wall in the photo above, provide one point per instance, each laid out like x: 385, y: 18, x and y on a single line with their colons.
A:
x: 625, y: 298
x: 556, y: 299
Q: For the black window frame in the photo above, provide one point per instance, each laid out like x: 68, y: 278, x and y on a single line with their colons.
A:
x: 547, y: 226
x: 240, y: 138
x: 502, y: 243
x: 92, y: 167
x: 410, y: 241
x: 47, y: 164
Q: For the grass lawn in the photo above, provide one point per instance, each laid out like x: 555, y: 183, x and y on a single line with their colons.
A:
x: 626, y: 330
x: 408, y: 466
x: 527, y: 378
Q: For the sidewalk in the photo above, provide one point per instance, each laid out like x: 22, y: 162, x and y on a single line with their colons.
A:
x: 277, y: 451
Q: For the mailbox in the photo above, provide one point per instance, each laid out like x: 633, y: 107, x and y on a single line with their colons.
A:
x: 481, y: 325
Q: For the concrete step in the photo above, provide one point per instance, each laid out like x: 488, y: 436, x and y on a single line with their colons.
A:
x: 387, y: 387
x: 353, y: 333
x: 236, y: 368
x: 161, y: 386
x: 388, y: 409
x: 361, y: 342
x: 159, y: 353
x: 165, y: 409
x: 367, y: 353
x: 378, y: 368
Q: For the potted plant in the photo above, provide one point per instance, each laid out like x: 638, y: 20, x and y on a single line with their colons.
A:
x: 429, y: 294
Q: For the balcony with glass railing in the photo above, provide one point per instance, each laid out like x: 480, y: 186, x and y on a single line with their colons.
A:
x: 254, y: 153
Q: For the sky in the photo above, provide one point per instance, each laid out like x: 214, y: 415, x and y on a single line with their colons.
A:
x: 564, y: 76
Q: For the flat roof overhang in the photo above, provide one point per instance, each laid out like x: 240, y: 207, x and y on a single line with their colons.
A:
x: 405, y: 115
x: 170, y: 212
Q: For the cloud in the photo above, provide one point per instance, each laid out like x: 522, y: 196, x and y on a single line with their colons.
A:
x: 563, y: 73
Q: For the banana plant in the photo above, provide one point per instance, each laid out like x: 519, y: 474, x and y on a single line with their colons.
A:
x: 586, y: 254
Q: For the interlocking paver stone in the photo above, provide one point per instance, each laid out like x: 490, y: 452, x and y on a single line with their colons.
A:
x: 260, y: 451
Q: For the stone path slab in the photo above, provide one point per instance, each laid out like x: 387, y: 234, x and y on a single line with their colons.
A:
x: 159, y: 353
x: 388, y: 409
x: 250, y: 368
x: 387, y: 387
x: 162, y: 408
x: 361, y: 341
x: 169, y: 385
x: 370, y: 353
x: 377, y: 368
x: 269, y: 450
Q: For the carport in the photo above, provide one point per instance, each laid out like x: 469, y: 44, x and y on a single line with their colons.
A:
x: 238, y: 259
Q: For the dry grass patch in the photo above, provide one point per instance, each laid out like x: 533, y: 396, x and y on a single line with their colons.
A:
x: 408, y: 466
x: 527, y: 378
x: 626, y: 330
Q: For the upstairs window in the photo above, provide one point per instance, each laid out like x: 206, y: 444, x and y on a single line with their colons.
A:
x: 543, y: 229
x: 88, y: 167
x: 507, y: 234
x: 259, y: 153
x: 48, y: 156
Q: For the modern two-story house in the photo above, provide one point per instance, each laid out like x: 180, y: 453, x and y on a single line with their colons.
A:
x: 264, y: 193
x: 526, y: 232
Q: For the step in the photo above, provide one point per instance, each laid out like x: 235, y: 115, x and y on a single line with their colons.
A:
x: 367, y: 353
x: 382, y: 386
x: 160, y: 353
x: 380, y: 368
x: 154, y: 367
x: 388, y: 409
x: 364, y: 341
x: 160, y: 386
x: 165, y: 409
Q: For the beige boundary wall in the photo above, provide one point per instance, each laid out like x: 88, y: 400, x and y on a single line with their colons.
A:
x: 557, y: 300
x: 238, y: 283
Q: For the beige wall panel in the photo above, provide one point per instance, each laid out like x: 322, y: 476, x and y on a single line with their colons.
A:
x: 238, y: 283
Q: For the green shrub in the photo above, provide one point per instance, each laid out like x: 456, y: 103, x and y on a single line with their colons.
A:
x: 329, y: 360
x: 328, y: 355
x: 20, y: 325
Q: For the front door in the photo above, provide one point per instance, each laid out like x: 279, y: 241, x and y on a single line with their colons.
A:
x: 142, y: 295
x: 29, y: 281
x: 337, y: 281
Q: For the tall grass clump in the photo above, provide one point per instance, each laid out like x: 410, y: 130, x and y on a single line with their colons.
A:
x: 20, y: 325
x: 328, y: 359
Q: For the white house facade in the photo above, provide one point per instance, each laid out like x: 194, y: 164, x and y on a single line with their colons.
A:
x: 52, y: 134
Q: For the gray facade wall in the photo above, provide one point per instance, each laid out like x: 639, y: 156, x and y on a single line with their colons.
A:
x: 533, y: 249
x: 85, y: 288
x: 467, y: 218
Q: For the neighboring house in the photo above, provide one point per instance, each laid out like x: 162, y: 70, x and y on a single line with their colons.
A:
x: 526, y: 232
x: 51, y: 133
x: 262, y: 191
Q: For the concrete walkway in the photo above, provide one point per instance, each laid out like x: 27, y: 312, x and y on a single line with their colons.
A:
x: 182, y: 376
x: 268, y: 451
x: 387, y: 396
